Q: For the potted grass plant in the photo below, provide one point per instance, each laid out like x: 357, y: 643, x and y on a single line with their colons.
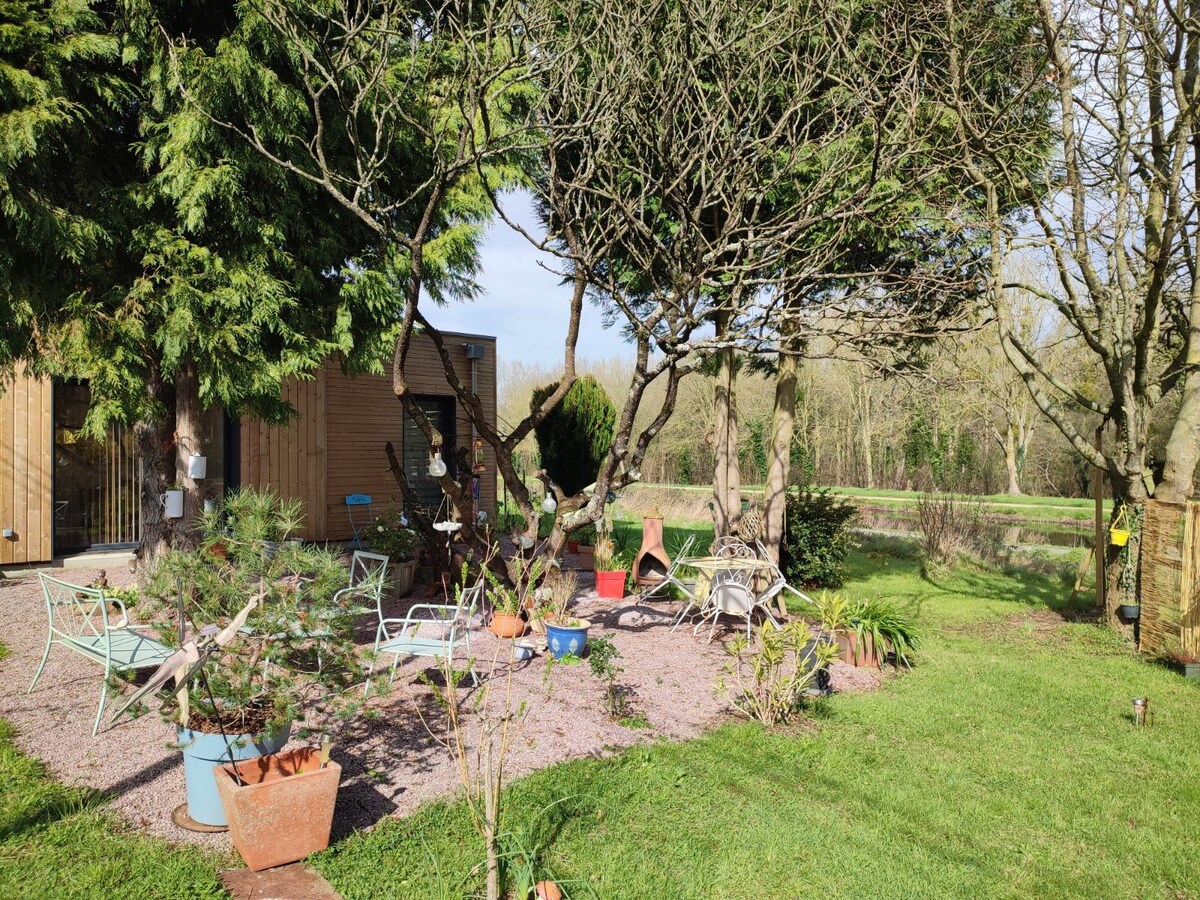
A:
x: 510, y: 601
x: 610, y: 581
x: 566, y: 634
x: 289, y: 651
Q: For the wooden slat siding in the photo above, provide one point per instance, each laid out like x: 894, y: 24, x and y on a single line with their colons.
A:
x: 287, y: 459
x: 363, y: 414
x: 26, y: 444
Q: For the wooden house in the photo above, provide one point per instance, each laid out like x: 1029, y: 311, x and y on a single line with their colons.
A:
x: 62, y: 494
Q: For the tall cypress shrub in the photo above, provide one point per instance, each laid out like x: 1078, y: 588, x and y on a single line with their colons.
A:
x: 577, y: 434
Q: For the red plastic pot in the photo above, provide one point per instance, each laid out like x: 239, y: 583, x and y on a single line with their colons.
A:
x: 611, y: 585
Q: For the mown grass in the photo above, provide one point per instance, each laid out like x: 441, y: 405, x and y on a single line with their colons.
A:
x: 1005, y: 764
x: 59, y: 842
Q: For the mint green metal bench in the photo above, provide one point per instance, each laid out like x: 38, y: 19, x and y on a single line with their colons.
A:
x: 78, y: 620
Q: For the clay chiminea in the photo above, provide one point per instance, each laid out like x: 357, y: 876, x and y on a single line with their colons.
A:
x: 651, y: 564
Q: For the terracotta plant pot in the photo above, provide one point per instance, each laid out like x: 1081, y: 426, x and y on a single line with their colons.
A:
x: 573, y: 546
x: 855, y: 655
x: 587, y: 557
x: 402, y: 575
x: 611, y: 585
x: 506, y: 626
x: 283, y: 810
x: 201, y: 751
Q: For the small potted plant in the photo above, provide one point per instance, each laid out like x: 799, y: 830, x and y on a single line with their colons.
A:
x: 554, y: 595
x: 1183, y: 661
x: 610, y: 581
x: 392, y: 537
x: 508, y: 602
x: 278, y: 608
x: 565, y: 634
x: 585, y: 546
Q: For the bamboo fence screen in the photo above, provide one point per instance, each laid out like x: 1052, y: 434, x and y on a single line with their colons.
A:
x: 1170, y: 577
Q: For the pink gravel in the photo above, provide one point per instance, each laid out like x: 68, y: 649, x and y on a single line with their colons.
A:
x: 390, y: 763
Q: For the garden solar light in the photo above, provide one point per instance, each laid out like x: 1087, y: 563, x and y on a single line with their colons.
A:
x: 437, y: 466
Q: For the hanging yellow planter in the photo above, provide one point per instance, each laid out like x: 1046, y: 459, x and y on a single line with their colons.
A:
x: 1118, y: 532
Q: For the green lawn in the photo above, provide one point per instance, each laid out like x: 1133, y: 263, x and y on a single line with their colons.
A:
x: 1004, y: 765
x: 58, y: 842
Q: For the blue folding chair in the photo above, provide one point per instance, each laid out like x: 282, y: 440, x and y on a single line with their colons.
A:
x: 359, y: 523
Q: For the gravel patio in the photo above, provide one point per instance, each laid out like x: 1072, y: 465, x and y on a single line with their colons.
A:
x: 391, y: 763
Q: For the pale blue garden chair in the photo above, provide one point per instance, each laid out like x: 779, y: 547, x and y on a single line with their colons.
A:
x: 78, y: 620
x: 359, y: 522
x: 449, y: 623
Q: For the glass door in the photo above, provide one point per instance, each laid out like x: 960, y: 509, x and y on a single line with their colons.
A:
x: 440, y: 411
x: 95, y: 482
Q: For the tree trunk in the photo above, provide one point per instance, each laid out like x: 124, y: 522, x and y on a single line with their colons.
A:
x: 1183, y: 446
x: 157, y: 472
x: 783, y: 423
x: 1012, y: 461
x: 727, y: 487
x: 188, y: 431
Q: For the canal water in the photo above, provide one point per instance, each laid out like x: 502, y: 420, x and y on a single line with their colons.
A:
x: 1040, y: 534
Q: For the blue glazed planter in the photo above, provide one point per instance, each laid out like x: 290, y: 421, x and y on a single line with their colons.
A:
x: 562, y: 641
x: 203, y: 751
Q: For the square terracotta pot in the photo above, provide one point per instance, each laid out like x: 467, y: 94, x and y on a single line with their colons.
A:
x: 855, y: 655
x: 283, y: 811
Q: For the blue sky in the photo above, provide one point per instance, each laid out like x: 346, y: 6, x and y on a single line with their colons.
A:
x: 523, y: 304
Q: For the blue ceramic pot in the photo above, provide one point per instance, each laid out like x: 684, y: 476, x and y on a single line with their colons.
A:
x: 203, y: 751
x: 562, y: 641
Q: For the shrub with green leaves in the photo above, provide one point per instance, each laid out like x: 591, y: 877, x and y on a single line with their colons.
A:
x: 391, y: 537
x: 816, y: 539
x: 767, y: 682
x: 575, y: 437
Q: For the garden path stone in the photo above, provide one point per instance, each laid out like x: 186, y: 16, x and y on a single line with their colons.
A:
x: 291, y: 882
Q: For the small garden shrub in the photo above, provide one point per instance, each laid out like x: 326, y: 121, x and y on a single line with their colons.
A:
x: 767, y: 682
x: 950, y: 526
x: 817, y: 539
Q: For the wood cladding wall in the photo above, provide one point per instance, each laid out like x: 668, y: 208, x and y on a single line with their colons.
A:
x: 336, y: 446
x: 26, y: 469
x: 364, y: 414
x: 291, y: 459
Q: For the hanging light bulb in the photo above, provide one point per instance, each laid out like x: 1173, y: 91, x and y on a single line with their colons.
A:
x: 549, y: 505
x: 437, y: 466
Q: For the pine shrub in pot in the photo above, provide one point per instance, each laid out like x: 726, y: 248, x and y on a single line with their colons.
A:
x: 816, y: 538
x: 293, y: 656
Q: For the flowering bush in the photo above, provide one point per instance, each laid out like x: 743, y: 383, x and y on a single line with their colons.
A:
x: 391, y: 536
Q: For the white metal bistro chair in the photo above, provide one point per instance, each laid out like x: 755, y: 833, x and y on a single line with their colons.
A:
x: 78, y: 620
x: 779, y: 582
x: 450, y: 623
x: 368, y: 578
x: 731, y: 595
x: 732, y: 547
x: 672, y: 575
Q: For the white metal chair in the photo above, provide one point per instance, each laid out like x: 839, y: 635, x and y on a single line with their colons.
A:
x: 78, y: 620
x: 731, y: 595
x: 672, y: 575
x: 451, y: 623
x: 779, y: 582
x: 368, y: 578
x: 731, y: 547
